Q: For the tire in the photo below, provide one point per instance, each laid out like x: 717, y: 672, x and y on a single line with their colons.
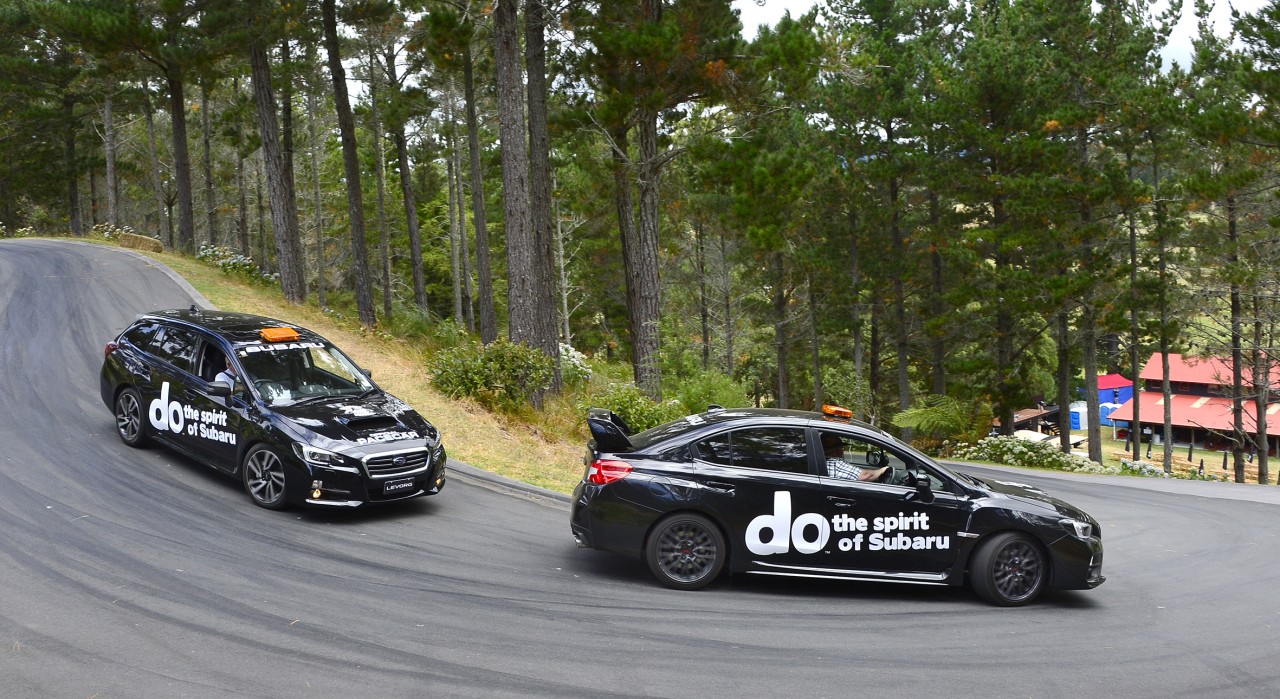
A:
x: 686, y: 551
x: 130, y: 422
x: 264, y: 477
x: 1009, y: 570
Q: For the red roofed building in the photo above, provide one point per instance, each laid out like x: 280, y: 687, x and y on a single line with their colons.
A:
x: 1201, y: 402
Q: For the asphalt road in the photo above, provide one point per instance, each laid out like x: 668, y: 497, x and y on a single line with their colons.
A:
x: 128, y: 573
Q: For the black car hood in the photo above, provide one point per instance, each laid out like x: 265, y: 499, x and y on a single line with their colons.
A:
x: 370, y: 421
x: 1033, y: 495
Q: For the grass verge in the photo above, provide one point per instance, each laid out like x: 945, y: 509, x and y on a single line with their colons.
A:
x: 549, y: 456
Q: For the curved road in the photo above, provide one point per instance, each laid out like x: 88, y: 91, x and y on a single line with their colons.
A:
x: 130, y: 573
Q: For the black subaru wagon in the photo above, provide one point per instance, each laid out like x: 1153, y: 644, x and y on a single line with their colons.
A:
x: 819, y: 495
x: 272, y: 403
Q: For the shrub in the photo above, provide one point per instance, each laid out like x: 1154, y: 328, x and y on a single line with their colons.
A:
x: 574, y: 369
x: 502, y: 374
x: 638, y: 410
x: 710, y: 388
x: 1149, y: 470
x: 1020, y: 452
x: 234, y: 264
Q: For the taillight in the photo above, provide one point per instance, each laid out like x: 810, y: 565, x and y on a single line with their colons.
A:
x: 606, y: 471
x: 111, y: 347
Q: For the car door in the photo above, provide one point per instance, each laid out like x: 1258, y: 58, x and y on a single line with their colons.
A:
x: 218, y: 420
x: 758, y: 482
x: 173, y: 351
x: 880, y: 527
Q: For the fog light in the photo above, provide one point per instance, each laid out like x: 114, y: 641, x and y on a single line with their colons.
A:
x: 315, y: 494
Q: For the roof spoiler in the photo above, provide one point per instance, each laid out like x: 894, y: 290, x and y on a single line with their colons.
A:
x: 609, y: 430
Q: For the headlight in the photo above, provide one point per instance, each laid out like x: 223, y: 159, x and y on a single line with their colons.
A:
x: 321, y: 457
x: 1082, y: 530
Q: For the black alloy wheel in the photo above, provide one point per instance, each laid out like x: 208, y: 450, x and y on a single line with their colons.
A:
x: 1009, y: 570
x: 686, y: 551
x: 129, y: 423
x: 264, y: 477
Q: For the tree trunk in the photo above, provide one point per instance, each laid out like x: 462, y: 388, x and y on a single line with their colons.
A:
x: 1135, y: 331
x: 410, y: 201
x: 210, y: 205
x: 1063, y: 340
x: 484, y: 268
x: 545, y: 330
x: 781, y: 337
x: 902, y: 335
x: 1093, y: 413
x: 464, y: 248
x: 284, y: 207
x: 563, y: 270
x: 380, y: 177
x: 164, y: 231
x: 704, y: 313
x: 351, y: 166
x: 181, y: 160
x: 455, y: 266
x: 1261, y: 393
x: 522, y: 296
x: 109, y: 146
x: 1239, y: 437
x: 642, y: 276
x: 317, y: 202
x: 69, y: 152
x: 815, y: 346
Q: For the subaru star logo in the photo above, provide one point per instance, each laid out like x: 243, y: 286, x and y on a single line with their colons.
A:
x: 399, y: 461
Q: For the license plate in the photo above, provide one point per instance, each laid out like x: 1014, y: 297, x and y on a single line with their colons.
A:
x: 397, y: 486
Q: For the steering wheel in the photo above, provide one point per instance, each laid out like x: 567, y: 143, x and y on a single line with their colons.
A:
x: 268, y: 388
x: 890, y: 474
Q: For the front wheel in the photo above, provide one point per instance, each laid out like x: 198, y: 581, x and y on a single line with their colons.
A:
x: 264, y: 478
x: 129, y: 418
x: 686, y: 551
x: 1008, y: 570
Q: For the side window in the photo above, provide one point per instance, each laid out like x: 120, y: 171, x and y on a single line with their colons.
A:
x: 176, y: 346
x: 846, y: 456
x: 212, y: 360
x: 715, y: 450
x: 771, y: 448
x: 140, y: 336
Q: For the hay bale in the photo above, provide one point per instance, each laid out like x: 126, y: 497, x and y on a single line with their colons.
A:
x: 140, y: 242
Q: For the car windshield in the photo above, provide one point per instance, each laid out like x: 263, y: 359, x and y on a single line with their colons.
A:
x: 301, y: 372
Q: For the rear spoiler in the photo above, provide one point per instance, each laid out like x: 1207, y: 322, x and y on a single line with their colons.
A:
x: 609, y: 431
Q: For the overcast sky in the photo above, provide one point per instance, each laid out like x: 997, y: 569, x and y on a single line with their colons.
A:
x: 754, y: 13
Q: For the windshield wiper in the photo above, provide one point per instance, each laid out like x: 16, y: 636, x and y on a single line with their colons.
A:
x: 369, y: 393
x: 315, y: 399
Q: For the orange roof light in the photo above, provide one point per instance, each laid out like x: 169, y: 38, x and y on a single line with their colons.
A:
x: 279, y: 335
x: 837, y: 411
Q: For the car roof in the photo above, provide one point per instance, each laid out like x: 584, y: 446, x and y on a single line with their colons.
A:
x: 720, y: 418
x: 236, y: 328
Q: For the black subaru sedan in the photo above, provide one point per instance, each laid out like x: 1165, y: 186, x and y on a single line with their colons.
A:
x: 820, y: 495
x: 269, y: 402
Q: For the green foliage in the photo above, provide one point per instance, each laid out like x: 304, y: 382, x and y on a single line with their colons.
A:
x: 639, y: 411
x: 234, y: 264
x: 841, y: 386
x: 502, y: 374
x: 1020, y: 452
x: 946, y: 417
x: 710, y: 388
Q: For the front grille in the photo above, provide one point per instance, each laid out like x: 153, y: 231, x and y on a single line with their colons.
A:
x: 400, y: 463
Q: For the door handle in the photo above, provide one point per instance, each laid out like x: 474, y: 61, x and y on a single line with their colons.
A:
x: 841, y: 502
x: 725, y: 488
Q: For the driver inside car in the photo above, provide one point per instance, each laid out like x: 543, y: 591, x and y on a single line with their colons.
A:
x: 838, y: 467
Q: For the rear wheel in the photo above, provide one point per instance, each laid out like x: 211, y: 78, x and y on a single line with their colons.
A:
x: 129, y: 423
x: 686, y: 551
x: 1009, y: 570
x: 264, y: 478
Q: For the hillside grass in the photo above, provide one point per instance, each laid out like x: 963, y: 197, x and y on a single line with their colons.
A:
x: 543, y: 449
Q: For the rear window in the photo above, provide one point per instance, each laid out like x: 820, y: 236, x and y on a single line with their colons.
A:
x: 141, y: 335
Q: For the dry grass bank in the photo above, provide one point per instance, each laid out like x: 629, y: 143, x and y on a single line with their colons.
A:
x: 471, y: 433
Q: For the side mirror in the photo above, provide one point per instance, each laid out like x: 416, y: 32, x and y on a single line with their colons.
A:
x: 219, y: 388
x: 923, y: 491
x: 368, y: 374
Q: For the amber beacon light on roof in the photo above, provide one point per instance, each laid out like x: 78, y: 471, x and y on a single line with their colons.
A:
x: 279, y: 335
x: 837, y: 412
